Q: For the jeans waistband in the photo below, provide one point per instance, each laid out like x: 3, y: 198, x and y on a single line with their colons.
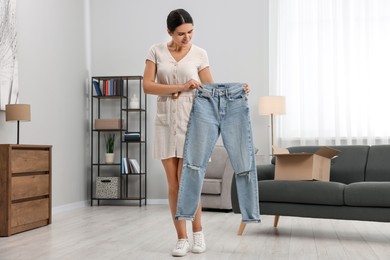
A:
x: 222, y: 89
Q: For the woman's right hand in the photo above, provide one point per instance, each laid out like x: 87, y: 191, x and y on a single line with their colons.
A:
x: 191, y: 84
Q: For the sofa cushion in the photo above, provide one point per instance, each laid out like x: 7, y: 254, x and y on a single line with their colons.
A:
x: 368, y: 194
x: 350, y: 165
x: 304, y: 192
x: 378, y: 163
x: 212, y: 186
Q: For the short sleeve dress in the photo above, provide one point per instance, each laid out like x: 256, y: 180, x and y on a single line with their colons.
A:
x: 173, y: 114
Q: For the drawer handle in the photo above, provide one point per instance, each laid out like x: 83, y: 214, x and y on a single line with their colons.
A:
x: 105, y: 180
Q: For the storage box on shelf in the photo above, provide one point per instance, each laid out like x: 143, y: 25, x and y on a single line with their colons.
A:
x: 25, y: 187
x: 109, y: 123
x: 107, y: 188
x: 112, y: 112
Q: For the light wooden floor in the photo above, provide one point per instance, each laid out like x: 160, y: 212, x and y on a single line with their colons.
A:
x: 131, y: 232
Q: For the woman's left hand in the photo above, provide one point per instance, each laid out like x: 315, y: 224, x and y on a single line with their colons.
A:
x: 247, y: 89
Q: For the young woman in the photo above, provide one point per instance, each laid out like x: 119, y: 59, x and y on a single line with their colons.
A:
x: 173, y: 71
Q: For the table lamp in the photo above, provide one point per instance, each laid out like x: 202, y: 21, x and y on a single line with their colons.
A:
x: 17, y: 112
x: 270, y: 106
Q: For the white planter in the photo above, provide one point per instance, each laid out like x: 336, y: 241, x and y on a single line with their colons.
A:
x: 109, y: 158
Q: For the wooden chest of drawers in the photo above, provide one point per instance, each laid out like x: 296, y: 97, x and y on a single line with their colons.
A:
x: 25, y: 187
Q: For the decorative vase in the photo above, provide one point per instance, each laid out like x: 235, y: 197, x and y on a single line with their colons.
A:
x: 109, y: 158
x: 134, y: 102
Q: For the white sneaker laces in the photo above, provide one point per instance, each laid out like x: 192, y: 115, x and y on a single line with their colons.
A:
x: 198, y: 239
x: 181, y: 243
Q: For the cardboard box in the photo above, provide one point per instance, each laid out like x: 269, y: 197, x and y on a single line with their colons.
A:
x: 107, y: 187
x: 109, y: 123
x: 303, y: 166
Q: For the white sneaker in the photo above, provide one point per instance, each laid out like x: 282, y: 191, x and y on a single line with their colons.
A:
x: 181, y: 248
x: 199, y: 243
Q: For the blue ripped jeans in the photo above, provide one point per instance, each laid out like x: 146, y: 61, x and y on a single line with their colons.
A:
x: 219, y: 109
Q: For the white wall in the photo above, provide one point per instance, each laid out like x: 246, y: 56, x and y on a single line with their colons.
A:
x: 234, y: 33
x: 52, y: 75
x: 54, y: 60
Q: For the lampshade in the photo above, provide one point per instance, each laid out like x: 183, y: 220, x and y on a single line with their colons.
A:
x: 17, y: 112
x: 272, y: 105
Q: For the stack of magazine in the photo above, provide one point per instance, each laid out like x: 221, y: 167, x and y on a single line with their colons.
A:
x: 130, y: 166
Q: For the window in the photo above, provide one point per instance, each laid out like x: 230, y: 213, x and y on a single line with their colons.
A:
x: 331, y: 60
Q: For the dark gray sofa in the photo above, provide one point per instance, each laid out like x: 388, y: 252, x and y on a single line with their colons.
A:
x: 359, y: 188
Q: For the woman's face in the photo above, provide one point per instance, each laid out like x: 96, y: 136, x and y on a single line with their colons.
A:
x: 183, y: 34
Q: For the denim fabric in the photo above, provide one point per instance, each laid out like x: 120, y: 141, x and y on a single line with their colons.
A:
x: 219, y: 109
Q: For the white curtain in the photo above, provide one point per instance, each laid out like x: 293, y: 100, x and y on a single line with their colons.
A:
x: 9, y: 87
x: 331, y: 59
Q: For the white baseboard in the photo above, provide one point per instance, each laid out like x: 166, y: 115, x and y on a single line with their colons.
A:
x: 157, y: 201
x: 70, y: 206
x: 86, y: 203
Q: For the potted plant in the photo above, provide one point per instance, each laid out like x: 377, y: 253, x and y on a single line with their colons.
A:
x: 110, y: 141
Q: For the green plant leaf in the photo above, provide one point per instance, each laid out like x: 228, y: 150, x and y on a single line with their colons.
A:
x: 110, y: 141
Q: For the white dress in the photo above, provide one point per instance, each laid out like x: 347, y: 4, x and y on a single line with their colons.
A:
x: 173, y: 114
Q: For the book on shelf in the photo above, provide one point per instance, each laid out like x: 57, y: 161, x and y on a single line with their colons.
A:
x: 125, y: 166
x: 135, y: 166
x: 118, y: 89
x: 106, y: 88
x: 96, y: 85
x: 130, y: 166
